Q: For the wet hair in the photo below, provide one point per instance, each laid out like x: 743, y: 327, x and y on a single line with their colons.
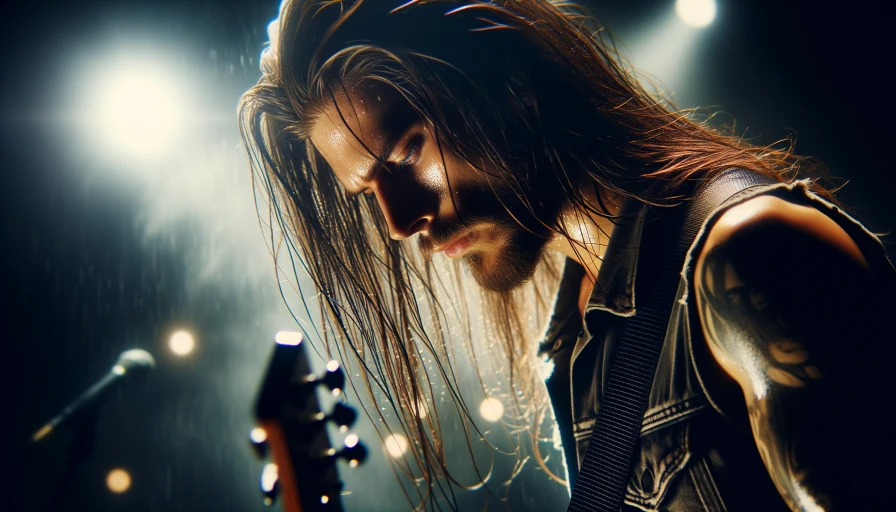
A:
x: 532, y: 92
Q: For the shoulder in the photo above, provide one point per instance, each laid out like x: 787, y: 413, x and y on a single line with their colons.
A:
x: 786, y: 304
x: 770, y: 220
x: 772, y: 270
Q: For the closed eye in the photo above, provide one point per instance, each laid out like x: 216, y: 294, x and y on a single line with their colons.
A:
x: 354, y: 195
x: 412, y: 156
x: 414, y: 152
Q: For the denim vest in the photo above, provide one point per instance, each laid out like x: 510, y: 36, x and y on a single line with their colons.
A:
x: 696, y: 450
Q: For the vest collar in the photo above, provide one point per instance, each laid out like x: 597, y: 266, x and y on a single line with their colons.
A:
x: 614, y: 290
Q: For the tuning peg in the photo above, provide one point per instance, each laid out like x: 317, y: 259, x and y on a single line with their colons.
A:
x: 269, y: 483
x: 343, y: 415
x: 334, y: 378
x: 354, y: 452
x: 258, y: 439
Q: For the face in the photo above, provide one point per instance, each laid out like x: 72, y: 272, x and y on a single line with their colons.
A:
x: 377, y: 144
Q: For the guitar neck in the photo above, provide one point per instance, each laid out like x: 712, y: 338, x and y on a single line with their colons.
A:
x: 304, y: 476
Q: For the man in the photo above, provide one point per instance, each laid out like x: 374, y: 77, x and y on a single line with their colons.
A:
x: 503, y: 135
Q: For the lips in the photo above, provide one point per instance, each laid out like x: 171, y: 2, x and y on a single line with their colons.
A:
x: 459, y: 246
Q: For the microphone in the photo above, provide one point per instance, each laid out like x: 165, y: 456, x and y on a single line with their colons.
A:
x: 132, y: 366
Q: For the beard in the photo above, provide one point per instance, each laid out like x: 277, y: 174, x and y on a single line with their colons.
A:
x: 512, y: 264
x: 522, y: 236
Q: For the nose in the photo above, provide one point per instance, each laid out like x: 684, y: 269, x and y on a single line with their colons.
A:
x: 408, y: 207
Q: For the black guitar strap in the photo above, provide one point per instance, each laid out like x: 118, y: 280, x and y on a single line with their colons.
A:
x: 605, y: 470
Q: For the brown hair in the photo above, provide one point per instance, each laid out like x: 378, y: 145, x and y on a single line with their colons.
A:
x: 528, y: 90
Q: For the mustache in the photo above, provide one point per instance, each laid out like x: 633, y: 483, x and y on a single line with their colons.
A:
x: 440, y: 235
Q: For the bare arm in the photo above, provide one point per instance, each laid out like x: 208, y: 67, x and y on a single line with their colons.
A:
x: 776, y: 286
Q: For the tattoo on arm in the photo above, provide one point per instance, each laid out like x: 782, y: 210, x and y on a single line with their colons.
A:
x: 791, y: 311
x: 749, y: 334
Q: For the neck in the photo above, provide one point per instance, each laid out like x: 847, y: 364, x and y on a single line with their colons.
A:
x: 587, y: 233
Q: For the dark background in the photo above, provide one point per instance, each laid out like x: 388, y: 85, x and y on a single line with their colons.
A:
x: 87, y: 273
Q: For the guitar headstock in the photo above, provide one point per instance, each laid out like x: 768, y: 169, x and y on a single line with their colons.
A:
x: 293, y: 429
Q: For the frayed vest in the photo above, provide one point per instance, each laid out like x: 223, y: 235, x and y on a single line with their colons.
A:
x: 696, y: 450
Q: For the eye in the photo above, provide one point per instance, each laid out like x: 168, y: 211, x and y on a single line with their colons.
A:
x: 354, y: 195
x: 413, y: 155
x: 414, y: 151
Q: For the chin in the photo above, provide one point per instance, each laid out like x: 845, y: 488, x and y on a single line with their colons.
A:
x: 504, y: 270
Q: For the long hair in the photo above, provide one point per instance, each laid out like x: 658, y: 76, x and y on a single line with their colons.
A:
x: 529, y: 91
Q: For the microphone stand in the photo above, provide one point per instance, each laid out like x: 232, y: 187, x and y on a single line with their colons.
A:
x: 79, y: 418
x: 81, y: 446
x: 81, y: 443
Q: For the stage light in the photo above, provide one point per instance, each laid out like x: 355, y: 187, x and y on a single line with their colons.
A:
x: 138, y: 110
x: 181, y: 343
x: 663, y: 48
x: 351, y: 440
x: 118, y: 480
x: 396, y: 445
x: 696, y: 13
x: 491, y: 409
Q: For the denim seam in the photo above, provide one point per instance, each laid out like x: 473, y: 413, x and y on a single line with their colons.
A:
x: 674, y: 467
x: 705, y: 487
x: 673, y: 414
x: 666, y: 416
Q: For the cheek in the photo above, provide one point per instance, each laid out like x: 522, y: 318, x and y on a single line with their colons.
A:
x: 447, y: 178
x: 432, y: 177
x: 461, y: 179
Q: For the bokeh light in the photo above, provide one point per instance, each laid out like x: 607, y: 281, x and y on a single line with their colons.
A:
x: 491, y: 409
x: 181, y: 343
x: 118, y: 480
x: 269, y: 475
x: 258, y: 435
x: 288, y: 337
x: 421, y: 409
x: 396, y: 445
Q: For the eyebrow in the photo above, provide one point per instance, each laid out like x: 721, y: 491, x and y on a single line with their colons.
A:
x: 380, y: 161
x: 394, y: 125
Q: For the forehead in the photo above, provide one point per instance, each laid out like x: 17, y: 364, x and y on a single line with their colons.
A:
x: 355, y: 127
